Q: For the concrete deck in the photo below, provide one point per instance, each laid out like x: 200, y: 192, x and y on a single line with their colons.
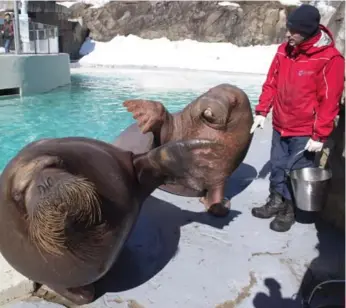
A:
x: 179, y: 256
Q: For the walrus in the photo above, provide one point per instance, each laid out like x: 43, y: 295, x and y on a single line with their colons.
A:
x: 223, y: 113
x: 67, y: 205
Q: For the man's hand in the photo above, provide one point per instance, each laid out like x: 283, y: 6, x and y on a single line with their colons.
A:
x: 313, y: 146
x: 258, y: 121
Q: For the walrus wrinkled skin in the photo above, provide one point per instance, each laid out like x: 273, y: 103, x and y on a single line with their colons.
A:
x: 67, y: 205
x: 223, y: 113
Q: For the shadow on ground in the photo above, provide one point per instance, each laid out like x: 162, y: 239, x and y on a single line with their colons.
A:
x: 329, y: 265
x: 237, y: 182
x: 265, y: 170
x: 153, y: 243
x: 155, y: 238
x: 273, y: 298
x: 240, y: 180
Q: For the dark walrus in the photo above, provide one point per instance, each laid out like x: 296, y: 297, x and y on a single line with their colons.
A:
x: 223, y: 113
x: 67, y: 205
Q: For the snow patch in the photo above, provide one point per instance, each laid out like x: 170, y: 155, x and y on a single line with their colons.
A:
x: 186, y: 54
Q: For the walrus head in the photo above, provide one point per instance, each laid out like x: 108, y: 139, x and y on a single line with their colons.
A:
x: 214, y: 108
x: 61, y: 208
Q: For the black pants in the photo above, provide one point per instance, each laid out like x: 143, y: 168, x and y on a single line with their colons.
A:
x: 282, y: 157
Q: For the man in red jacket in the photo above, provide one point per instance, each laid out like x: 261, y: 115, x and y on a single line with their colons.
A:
x: 303, y: 87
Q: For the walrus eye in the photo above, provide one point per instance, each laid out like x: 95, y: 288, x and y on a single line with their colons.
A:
x: 208, y: 115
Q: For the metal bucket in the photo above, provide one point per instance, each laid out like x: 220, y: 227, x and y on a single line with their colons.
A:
x: 309, y: 186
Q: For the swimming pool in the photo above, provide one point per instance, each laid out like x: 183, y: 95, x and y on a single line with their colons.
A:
x: 92, y: 105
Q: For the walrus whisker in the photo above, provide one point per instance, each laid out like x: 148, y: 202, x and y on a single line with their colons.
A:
x: 92, y: 240
x: 74, y: 202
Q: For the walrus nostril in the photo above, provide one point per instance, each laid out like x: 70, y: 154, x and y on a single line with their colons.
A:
x: 49, y: 182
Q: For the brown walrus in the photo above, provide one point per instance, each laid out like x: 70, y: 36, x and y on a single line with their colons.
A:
x: 223, y: 113
x: 67, y: 205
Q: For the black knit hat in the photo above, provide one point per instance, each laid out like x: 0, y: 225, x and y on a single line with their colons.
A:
x: 304, y: 20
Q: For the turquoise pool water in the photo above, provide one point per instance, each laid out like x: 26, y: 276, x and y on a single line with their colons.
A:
x: 92, y: 106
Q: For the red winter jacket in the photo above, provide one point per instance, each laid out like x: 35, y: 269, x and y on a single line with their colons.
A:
x: 304, y: 86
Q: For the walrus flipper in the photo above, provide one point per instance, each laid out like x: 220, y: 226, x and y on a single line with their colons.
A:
x: 150, y: 115
x: 181, y: 162
x: 134, y: 141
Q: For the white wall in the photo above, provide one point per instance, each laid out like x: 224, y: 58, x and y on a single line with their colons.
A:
x: 34, y: 73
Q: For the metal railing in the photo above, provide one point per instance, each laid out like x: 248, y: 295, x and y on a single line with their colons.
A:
x: 38, y: 38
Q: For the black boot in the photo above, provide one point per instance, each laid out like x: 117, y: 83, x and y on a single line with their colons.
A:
x: 284, y: 219
x: 271, y: 208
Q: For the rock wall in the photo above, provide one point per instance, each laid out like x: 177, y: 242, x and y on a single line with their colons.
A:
x: 336, y: 23
x: 240, y: 22
x: 243, y: 22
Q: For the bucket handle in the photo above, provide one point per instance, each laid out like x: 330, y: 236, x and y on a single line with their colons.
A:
x: 307, y: 302
x: 288, y: 171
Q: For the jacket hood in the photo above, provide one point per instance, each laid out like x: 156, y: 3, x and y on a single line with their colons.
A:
x: 324, y: 40
x: 317, y: 43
